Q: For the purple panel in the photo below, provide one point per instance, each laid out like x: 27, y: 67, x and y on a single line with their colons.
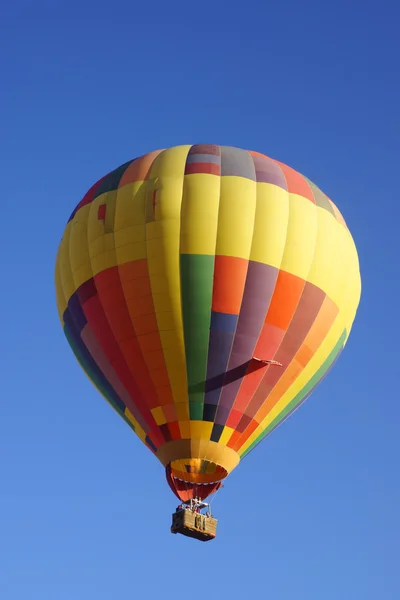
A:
x: 223, y: 327
x: 223, y: 322
x: 258, y: 291
x: 203, y: 158
x: 86, y: 291
x: 222, y: 415
x: 74, y: 314
x: 268, y: 171
x: 237, y: 162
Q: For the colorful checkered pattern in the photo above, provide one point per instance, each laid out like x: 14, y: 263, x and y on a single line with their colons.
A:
x: 181, y: 266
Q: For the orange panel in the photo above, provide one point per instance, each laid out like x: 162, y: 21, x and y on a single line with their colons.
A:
x: 229, y: 279
x: 285, y: 299
x: 139, y: 169
x: 145, y: 324
x: 133, y: 270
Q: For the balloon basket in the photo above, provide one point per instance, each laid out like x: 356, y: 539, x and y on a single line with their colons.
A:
x: 195, y: 525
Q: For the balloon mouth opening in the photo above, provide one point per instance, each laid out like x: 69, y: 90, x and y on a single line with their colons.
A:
x: 194, y: 478
x: 197, y: 471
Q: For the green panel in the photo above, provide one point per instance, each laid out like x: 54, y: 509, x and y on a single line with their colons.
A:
x: 197, y: 274
x: 303, y: 392
x: 196, y: 410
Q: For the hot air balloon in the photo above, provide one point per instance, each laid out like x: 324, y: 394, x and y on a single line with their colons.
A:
x: 206, y: 290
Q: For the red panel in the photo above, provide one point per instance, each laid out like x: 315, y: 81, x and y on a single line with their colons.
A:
x: 169, y: 411
x: 174, y: 430
x: 113, y: 300
x: 102, y: 327
x: 114, y: 305
x: 268, y: 343
x: 186, y: 491
x: 234, y: 418
x: 101, y: 212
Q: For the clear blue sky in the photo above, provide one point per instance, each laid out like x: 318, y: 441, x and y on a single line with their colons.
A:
x: 88, y: 85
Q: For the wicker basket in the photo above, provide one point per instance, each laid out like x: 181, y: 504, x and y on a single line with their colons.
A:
x: 194, y: 525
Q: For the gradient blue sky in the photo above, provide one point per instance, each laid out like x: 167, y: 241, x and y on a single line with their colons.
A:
x: 86, y: 86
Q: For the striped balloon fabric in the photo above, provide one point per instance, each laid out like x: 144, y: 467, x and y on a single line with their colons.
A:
x: 180, y: 275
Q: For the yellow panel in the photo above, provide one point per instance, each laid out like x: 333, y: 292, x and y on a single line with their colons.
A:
x: 131, y: 252
x: 158, y: 415
x: 199, y: 215
x: 226, y: 435
x: 334, y: 256
x: 184, y: 428
x: 60, y: 296
x: 236, y: 215
x: 96, y: 247
x: 104, y: 261
x: 127, y: 235
x: 163, y: 241
x: 65, y: 267
x: 353, y: 294
x: 271, y: 223
x: 170, y: 163
x: 201, y: 430
x: 95, y: 226
x: 138, y: 430
x: 327, y: 270
x: 301, y: 236
x: 84, y: 273
x: 165, y: 321
x: 79, y: 252
x: 182, y: 411
x: 130, y: 207
x: 79, y: 238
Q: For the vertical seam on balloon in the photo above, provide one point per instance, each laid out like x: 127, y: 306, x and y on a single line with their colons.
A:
x: 180, y: 293
x: 99, y: 298
x: 212, y: 293
x: 91, y: 209
x: 244, y: 289
x: 125, y: 300
x: 291, y: 319
x: 241, y: 302
x: 272, y: 295
x: 179, y: 279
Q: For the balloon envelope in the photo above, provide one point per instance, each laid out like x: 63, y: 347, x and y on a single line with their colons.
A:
x: 177, y: 271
